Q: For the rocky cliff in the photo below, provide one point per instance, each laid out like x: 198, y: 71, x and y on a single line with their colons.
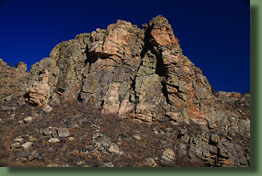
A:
x: 139, y: 75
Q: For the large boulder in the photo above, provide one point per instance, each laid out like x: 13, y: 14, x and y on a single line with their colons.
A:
x: 39, y: 91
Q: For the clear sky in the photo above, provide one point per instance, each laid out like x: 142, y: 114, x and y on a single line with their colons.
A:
x: 214, y: 34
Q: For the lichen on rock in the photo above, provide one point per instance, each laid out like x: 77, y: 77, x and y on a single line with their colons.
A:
x: 132, y: 72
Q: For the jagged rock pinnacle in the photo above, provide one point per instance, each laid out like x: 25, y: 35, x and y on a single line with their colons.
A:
x: 162, y: 32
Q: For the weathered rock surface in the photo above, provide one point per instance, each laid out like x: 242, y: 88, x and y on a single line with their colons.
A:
x: 168, y: 155
x: 132, y: 72
x: 28, y: 119
x: 39, y: 91
x: 27, y: 145
x: 63, y: 132
x: 53, y: 140
x: 137, y: 74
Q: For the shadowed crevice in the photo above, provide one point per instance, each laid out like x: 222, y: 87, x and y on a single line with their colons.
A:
x: 161, y: 69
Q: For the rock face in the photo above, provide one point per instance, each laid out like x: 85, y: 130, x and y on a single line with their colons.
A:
x: 132, y: 72
x: 13, y: 80
x: 142, y: 75
x: 39, y: 91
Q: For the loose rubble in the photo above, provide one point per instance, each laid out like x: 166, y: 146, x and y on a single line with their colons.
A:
x: 27, y: 145
x: 28, y: 119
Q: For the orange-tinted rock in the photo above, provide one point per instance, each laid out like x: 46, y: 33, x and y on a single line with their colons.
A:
x: 162, y: 32
x: 118, y: 40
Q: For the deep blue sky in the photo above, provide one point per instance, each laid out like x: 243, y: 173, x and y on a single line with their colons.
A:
x: 214, y: 34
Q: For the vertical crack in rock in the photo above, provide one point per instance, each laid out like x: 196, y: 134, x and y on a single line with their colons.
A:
x: 161, y: 69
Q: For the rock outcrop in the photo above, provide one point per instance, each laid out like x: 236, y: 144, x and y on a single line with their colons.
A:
x: 132, y: 72
x: 142, y: 75
x: 39, y: 91
x: 13, y: 80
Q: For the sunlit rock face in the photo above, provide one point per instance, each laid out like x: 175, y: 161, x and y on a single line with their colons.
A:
x: 132, y: 72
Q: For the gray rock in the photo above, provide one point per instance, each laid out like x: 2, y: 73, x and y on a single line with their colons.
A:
x: 214, y: 138
x: 205, y: 145
x: 191, y: 140
x: 150, y: 162
x: 185, y: 138
x: 234, y: 160
x: 199, y: 151
x: 224, y: 141
x: 8, y: 108
x: 197, y: 141
x: 115, y: 149
x: 206, y: 153
x: 155, y: 131
x: 28, y: 119
x: 191, y: 155
x: 163, y: 142
x: 95, y: 126
x: 182, y: 149
x: 21, y: 102
x: 8, y: 98
x: 248, y: 159
x: 19, y: 139
x: 223, y: 152
x: 27, y: 145
x: 182, y: 132
x: 46, y: 132
x: 213, y: 149
x: 51, y: 149
x: 109, y: 164
x: 47, y: 108
x: 137, y: 137
x: 83, y: 121
x: 168, y: 155
x: 23, y: 155
x: 71, y: 138
x: 211, y: 124
x: 229, y: 138
x: 243, y: 160
x: 53, y: 140
x: 63, y: 132
x: 73, y: 125
x: 16, y: 145
x: 104, y: 144
x: 34, y: 155
x: 55, y: 99
x: 54, y: 134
